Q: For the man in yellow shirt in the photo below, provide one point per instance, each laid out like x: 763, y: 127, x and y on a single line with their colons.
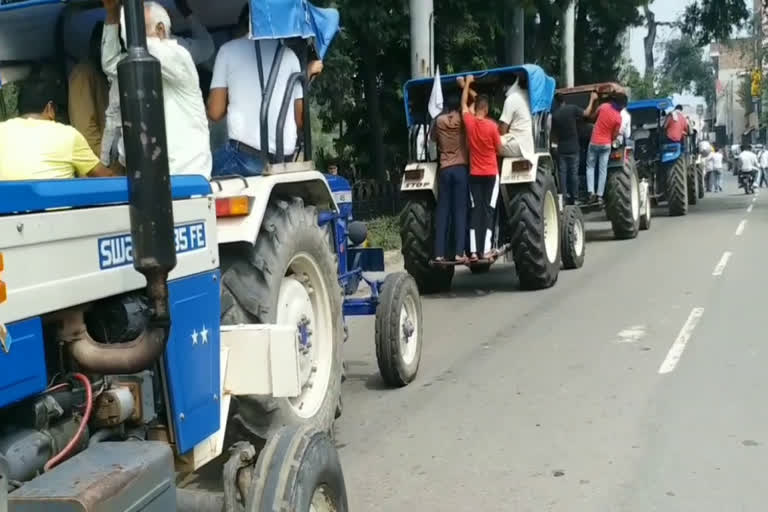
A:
x: 35, y: 147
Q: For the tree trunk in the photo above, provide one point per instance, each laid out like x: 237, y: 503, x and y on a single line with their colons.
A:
x: 649, y: 42
x: 374, y: 114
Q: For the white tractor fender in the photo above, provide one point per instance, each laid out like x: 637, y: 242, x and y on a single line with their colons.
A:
x: 311, y: 186
x: 515, y: 171
x: 420, y: 177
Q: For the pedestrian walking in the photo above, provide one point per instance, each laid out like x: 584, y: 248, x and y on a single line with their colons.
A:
x: 715, y: 161
x: 763, y: 160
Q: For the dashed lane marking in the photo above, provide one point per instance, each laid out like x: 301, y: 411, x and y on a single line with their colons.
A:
x: 742, y: 226
x: 720, y: 267
x: 678, y: 347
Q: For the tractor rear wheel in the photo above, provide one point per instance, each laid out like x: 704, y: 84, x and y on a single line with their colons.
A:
x: 574, y: 241
x: 417, y: 234
x: 693, y: 185
x: 677, y: 189
x: 622, y: 201
x: 534, y: 223
x: 289, y: 277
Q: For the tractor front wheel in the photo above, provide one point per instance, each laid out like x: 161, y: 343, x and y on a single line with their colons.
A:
x: 622, y: 201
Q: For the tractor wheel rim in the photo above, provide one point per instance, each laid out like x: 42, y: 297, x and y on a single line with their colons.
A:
x: 578, y: 238
x: 635, y: 197
x: 304, y: 303
x: 409, y: 330
x: 551, y: 228
x: 322, y: 501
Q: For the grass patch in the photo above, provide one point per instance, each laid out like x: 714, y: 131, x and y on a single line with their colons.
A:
x: 384, y: 232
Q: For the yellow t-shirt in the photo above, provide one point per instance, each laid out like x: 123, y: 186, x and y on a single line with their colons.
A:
x: 36, y: 149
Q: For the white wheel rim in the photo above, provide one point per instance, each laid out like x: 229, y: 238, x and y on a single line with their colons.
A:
x: 303, y: 302
x: 635, y: 196
x: 578, y: 237
x: 409, y: 330
x: 551, y: 231
x: 322, y: 501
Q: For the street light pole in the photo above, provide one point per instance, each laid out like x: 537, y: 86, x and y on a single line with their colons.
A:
x: 569, y: 35
x: 422, y: 35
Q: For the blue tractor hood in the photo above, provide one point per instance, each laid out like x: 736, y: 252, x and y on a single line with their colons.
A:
x: 662, y: 104
x: 283, y: 19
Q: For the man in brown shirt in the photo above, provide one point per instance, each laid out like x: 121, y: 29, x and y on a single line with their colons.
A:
x: 453, y: 191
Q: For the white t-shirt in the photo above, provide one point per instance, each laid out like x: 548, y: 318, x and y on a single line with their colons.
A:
x: 748, y: 161
x: 716, y: 159
x: 237, y: 70
x: 626, y: 124
x: 517, y: 115
x: 763, y: 157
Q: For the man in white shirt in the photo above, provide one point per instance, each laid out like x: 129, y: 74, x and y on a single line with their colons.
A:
x: 763, y: 160
x: 715, y: 166
x: 199, y: 45
x: 748, y: 162
x: 516, y: 121
x: 236, y: 92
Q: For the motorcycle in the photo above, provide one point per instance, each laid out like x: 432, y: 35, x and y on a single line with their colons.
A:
x: 747, y: 181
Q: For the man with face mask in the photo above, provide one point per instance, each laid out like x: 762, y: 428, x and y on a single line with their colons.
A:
x: 185, y: 118
x: 34, y: 146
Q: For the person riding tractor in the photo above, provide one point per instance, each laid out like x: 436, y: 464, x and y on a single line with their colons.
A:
x: 606, y: 147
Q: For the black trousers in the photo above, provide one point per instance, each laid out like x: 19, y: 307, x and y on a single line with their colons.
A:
x: 452, y: 201
x: 569, y: 176
x: 484, y: 192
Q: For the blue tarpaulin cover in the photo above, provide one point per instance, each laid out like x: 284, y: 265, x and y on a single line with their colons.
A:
x: 282, y: 19
x: 541, y: 87
x: 658, y: 103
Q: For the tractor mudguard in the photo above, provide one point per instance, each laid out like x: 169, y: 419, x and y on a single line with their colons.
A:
x: 671, y: 152
x: 309, y: 185
x: 515, y: 171
x: 420, y: 177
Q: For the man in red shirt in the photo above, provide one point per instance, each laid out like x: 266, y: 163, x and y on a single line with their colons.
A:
x: 676, y: 125
x: 606, y: 130
x: 484, y: 143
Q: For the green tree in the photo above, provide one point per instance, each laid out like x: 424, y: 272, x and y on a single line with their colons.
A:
x: 714, y: 20
x: 685, y: 70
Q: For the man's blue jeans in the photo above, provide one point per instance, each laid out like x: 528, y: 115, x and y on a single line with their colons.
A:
x: 597, y: 155
x: 229, y: 160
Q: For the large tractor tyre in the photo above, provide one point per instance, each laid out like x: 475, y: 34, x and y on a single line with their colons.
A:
x: 693, y: 186
x: 417, y: 234
x: 574, y: 240
x: 298, y: 471
x: 289, y: 278
x: 399, y: 330
x: 700, y: 182
x: 534, y: 223
x: 677, y: 189
x: 622, y: 201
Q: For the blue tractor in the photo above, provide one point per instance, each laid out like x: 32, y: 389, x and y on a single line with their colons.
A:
x: 668, y: 167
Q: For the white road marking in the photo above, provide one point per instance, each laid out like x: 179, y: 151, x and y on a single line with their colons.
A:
x: 740, y: 229
x: 754, y: 199
x: 749, y: 209
x: 631, y: 334
x: 676, y: 351
x: 721, y: 264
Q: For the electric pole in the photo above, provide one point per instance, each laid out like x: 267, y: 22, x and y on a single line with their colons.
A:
x: 569, y: 35
x: 514, y: 29
x: 422, y: 38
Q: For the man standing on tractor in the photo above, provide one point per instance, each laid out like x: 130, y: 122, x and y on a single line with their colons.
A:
x: 484, y: 144
x: 566, y: 123
x: 516, y: 123
x: 607, y: 128
x: 186, y: 124
x: 452, y: 181
x: 676, y: 125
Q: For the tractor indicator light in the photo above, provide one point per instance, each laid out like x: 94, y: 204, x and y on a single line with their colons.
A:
x: 239, y: 206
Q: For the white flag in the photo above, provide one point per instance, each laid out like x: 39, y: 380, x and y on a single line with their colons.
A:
x: 435, y: 106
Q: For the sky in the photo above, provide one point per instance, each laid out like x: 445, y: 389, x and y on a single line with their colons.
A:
x: 665, y: 10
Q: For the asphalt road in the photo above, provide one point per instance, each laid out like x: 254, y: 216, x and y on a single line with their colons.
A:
x: 635, y: 384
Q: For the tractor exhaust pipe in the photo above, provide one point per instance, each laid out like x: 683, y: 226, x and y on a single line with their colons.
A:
x: 151, y: 209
